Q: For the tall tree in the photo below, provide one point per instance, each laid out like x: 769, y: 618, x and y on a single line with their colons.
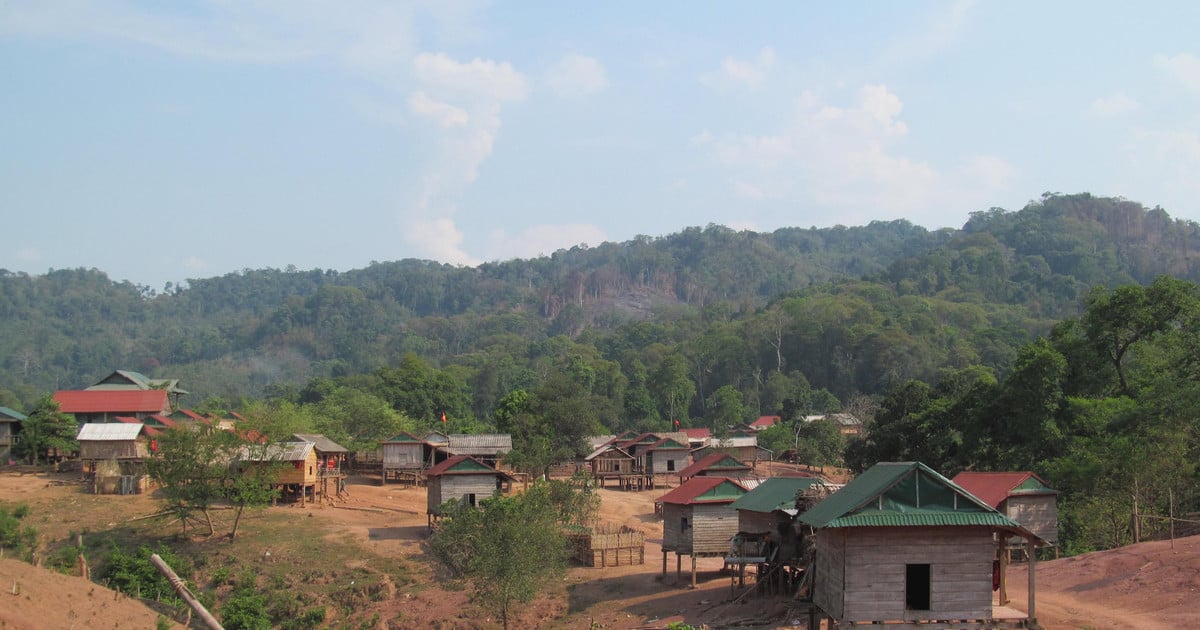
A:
x: 46, y: 428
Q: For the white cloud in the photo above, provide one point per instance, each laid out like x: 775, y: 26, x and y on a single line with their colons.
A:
x: 577, y: 75
x: 439, y: 239
x: 1113, y: 105
x: 478, y: 78
x: 848, y: 159
x: 737, y: 72
x: 445, y: 114
x: 942, y: 30
x: 1184, y: 68
x: 538, y: 240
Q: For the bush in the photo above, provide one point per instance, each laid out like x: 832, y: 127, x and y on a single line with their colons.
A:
x: 21, y: 540
x: 246, y: 610
x: 134, y: 574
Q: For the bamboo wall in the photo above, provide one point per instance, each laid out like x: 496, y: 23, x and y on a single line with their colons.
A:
x: 112, y: 449
x: 624, y: 546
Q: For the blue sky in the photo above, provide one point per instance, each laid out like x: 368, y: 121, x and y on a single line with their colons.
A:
x: 164, y: 141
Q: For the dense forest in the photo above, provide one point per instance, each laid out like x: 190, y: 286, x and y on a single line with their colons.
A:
x: 1061, y: 337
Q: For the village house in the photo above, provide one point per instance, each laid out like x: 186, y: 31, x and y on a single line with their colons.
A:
x: 610, y: 461
x: 716, y: 465
x: 765, y: 422
x: 903, y: 545
x: 297, y: 475
x: 1022, y: 496
x: 698, y: 520
x: 331, y: 463
x: 403, y: 458
x: 697, y: 437
x: 847, y: 424
x: 113, y: 456
x: 461, y: 478
x: 126, y: 380
x: 10, y: 427
x: 665, y: 458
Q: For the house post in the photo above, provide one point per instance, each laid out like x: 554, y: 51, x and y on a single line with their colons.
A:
x: 693, y: 569
x: 1032, y: 581
x: 1003, y: 569
x: 664, y: 563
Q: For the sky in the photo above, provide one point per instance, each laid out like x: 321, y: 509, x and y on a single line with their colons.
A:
x: 162, y: 141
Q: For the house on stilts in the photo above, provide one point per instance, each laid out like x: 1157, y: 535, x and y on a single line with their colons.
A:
x: 698, y: 520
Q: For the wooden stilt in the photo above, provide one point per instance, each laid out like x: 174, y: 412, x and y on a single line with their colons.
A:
x: 678, y: 566
x: 1032, y: 582
x: 664, y: 564
x: 693, y: 570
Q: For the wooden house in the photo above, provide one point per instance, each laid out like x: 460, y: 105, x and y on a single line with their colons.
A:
x: 298, y: 467
x: 112, y: 456
x: 697, y: 437
x: 765, y: 422
x: 403, y: 454
x: 610, y: 462
x: 846, y: 424
x: 903, y: 545
x: 461, y: 478
x: 698, y: 520
x: 331, y: 463
x: 716, y: 465
x: 126, y: 380
x: 665, y: 458
x: 488, y: 448
x: 10, y: 426
x: 1022, y: 496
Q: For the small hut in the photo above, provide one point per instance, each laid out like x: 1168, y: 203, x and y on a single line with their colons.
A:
x: 1022, y: 496
x: 716, y: 465
x: 113, y: 456
x: 298, y: 475
x: 610, y: 462
x: 461, y: 478
x: 403, y: 457
x: 903, y: 545
x: 698, y: 520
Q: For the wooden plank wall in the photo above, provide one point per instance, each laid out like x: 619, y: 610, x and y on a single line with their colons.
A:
x: 444, y: 488
x: 712, y: 527
x: 1039, y: 514
x: 673, y: 538
x: 829, y: 579
x: 960, y: 560
x: 403, y: 455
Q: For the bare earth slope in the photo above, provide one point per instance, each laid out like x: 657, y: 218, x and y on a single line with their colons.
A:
x: 45, y: 599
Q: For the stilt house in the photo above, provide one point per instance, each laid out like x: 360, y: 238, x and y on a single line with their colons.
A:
x: 298, y: 475
x: 1022, y: 496
x: 113, y: 456
x: 665, y: 457
x: 461, y: 478
x: 698, y: 520
x: 609, y: 462
x: 403, y: 454
x: 10, y: 426
x: 903, y: 545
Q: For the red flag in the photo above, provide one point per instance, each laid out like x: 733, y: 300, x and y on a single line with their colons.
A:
x: 676, y: 423
x: 443, y: 417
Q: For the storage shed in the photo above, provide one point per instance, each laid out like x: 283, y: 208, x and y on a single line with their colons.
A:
x: 698, y: 520
x: 112, y: 456
x: 1022, y: 496
x: 903, y: 545
x: 461, y: 478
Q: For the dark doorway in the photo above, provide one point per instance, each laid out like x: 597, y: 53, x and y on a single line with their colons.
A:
x: 916, y: 586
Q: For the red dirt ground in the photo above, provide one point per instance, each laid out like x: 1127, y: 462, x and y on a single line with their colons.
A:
x: 1148, y: 586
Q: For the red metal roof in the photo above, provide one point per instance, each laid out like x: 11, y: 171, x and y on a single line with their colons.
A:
x: 698, y: 433
x: 688, y: 493
x: 163, y: 420
x: 992, y: 487
x: 112, y: 401
x: 764, y: 422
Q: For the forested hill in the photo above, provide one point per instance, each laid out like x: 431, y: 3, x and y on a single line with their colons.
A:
x: 844, y: 309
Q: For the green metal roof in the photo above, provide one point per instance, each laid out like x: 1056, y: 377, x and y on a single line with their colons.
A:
x: 905, y: 494
x: 775, y: 493
x: 5, y: 412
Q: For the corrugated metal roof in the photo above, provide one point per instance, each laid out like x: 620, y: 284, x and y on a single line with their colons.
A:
x: 480, y: 444
x: 464, y: 465
x: 403, y: 437
x: 110, y: 432
x: 903, y: 494
x: 324, y: 444
x: 114, y: 401
x: 714, y: 461
x: 606, y: 448
x: 764, y: 422
x: 994, y: 487
x: 10, y: 415
x: 282, y: 452
x: 775, y: 493
x: 704, y: 490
